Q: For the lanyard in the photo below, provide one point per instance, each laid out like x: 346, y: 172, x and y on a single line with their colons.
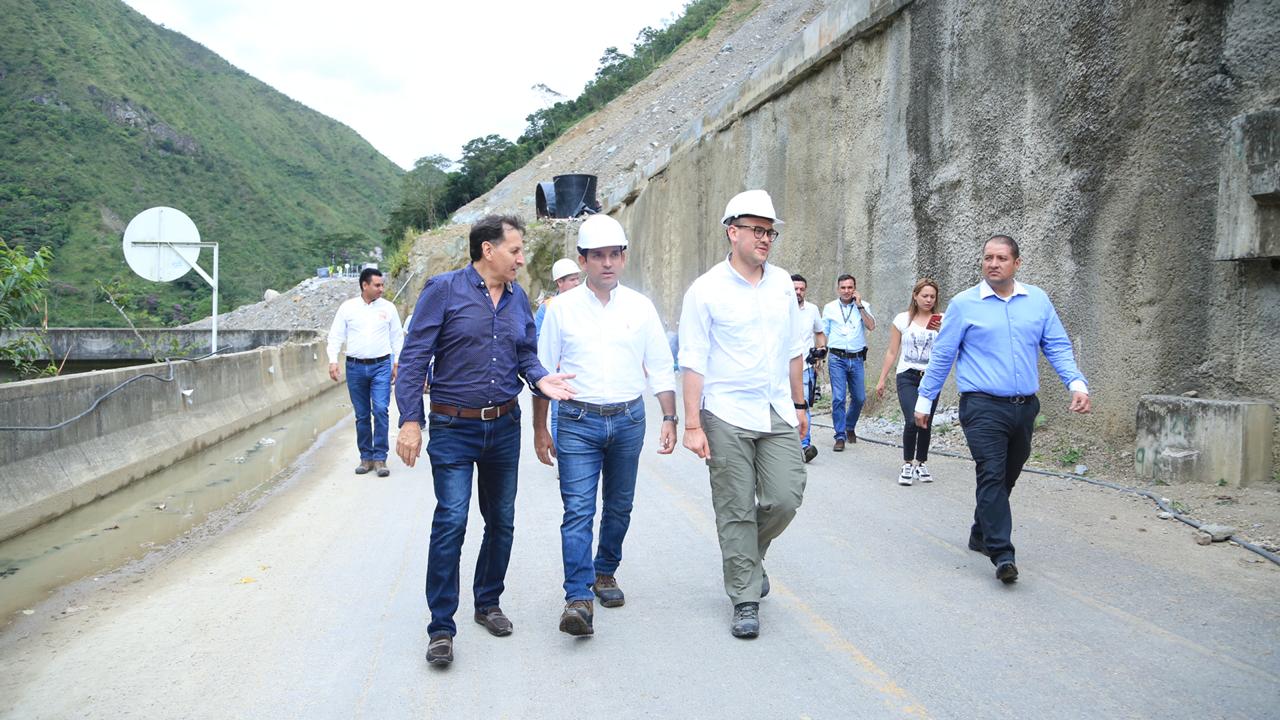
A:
x: 847, y: 315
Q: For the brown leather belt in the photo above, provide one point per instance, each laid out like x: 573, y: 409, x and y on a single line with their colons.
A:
x: 493, y: 412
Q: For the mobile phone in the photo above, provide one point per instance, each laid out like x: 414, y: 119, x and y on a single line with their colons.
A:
x: 935, y: 319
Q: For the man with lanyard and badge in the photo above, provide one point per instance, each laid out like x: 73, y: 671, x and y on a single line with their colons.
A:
x: 610, y: 339
x: 476, y: 324
x: 848, y: 319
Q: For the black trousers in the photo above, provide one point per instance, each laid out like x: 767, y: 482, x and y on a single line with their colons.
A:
x: 999, y: 434
x: 915, y: 439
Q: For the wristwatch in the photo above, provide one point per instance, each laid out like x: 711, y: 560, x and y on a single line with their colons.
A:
x: 671, y: 419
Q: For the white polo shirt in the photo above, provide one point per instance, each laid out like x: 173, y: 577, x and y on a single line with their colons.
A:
x: 611, y: 348
x: 370, y: 330
x: 741, y: 338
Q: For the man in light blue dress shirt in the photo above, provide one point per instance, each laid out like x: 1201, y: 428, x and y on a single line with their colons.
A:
x: 992, y: 333
x: 846, y: 321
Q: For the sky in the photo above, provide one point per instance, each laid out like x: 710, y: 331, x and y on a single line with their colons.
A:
x: 416, y: 78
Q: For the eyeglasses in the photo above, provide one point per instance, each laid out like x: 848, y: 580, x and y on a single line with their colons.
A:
x: 759, y: 231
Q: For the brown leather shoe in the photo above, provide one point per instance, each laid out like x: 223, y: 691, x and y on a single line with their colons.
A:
x: 364, y: 467
x: 606, y: 588
x: 380, y: 468
x: 576, y: 618
x: 839, y: 446
x: 440, y: 651
x: 495, y: 621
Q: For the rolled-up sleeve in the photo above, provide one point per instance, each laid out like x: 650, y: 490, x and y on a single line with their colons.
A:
x: 695, y: 332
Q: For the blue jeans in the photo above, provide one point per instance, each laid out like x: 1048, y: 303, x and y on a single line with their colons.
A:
x: 455, y: 446
x: 370, y: 389
x: 589, y: 444
x: 846, y: 383
x: 808, y: 383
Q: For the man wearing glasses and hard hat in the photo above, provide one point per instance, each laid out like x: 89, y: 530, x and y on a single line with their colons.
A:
x: 744, y: 398
x: 609, y: 336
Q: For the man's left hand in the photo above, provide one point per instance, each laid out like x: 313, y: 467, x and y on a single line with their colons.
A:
x: 1080, y: 402
x: 409, y: 442
x: 667, y: 439
x: 395, y: 368
x: 557, y: 387
x: 804, y: 422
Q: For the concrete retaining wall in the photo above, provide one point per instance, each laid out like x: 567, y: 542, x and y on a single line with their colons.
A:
x: 124, y: 343
x: 145, y: 426
x: 896, y: 136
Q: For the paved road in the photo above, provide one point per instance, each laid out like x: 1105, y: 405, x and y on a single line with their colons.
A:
x: 313, y: 607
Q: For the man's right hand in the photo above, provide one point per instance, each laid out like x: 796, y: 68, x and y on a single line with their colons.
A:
x: 333, y: 372
x: 922, y: 420
x: 409, y: 442
x: 696, y: 440
x: 544, y: 446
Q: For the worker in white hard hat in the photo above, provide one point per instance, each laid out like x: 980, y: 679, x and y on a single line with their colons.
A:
x: 566, y: 274
x: 611, y: 338
x: 744, y: 400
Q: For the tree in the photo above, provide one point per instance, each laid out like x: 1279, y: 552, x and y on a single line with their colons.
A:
x: 23, y: 283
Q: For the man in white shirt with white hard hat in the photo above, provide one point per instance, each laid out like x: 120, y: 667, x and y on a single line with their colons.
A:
x: 566, y: 275
x: 744, y: 398
x: 370, y: 327
x: 611, y: 339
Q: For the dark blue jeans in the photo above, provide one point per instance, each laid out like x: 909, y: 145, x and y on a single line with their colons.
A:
x: 999, y: 436
x: 915, y: 439
x: 846, y: 383
x: 588, y: 445
x: 456, y: 446
x: 370, y: 389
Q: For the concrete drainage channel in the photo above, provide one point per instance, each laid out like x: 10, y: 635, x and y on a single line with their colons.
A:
x: 151, y: 514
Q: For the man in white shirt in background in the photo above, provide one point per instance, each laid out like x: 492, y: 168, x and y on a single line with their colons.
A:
x: 609, y: 337
x: 744, y: 398
x: 370, y: 327
x: 847, y: 320
x: 813, y: 338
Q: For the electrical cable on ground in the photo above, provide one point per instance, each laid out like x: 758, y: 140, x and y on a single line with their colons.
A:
x: 109, y: 393
x: 1160, y: 502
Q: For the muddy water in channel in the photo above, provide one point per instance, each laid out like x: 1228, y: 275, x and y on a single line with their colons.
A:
x: 159, y: 509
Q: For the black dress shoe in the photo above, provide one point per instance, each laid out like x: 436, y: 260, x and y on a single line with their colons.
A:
x: 976, y: 545
x: 495, y: 621
x: 1007, y: 572
x: 810, y: 453
x: 440, y: 651
x: 764, y: 587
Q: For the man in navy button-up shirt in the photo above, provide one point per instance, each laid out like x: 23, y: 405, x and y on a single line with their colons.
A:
x: 476, y: 324
x: 993, y: 333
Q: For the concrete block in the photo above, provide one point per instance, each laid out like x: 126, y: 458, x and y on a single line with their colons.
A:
x: 1248, y: 224
x: 1183, y: 439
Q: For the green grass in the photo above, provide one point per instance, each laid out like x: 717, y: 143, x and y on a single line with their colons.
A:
x: 259, y: 173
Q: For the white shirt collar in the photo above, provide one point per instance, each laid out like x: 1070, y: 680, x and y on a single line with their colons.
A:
x: 764, y: 271
x: 985, y: 291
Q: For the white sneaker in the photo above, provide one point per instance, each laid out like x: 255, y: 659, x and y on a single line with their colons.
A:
x: 922, y: 473
x: 907, y: 475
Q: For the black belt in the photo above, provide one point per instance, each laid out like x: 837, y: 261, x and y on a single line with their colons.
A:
x: 860, y: 355
x: 1014, y: 399
x: 367, y: 361
x: 493, y: 412
x: 912, y: 371
x: 604, y: 410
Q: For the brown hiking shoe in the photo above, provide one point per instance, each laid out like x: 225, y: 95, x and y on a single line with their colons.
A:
x: 380, y: 468
x: 606, y: 588
x: 364, y: 467
x: 839, y: 446
x: 576, y: 618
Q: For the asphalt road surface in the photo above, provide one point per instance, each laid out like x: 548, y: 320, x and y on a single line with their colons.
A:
x: 313, y: 607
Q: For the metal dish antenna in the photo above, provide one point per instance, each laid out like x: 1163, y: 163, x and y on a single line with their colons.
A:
x: 161, y: 244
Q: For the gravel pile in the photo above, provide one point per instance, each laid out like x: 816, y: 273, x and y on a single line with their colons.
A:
x: 310, y: 305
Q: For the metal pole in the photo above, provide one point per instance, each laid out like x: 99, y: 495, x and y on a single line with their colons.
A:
x: 214, y: 342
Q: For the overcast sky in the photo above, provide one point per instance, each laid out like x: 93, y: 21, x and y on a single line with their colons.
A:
x: 415, y: 78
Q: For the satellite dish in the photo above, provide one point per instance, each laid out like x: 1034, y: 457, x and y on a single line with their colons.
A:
x: 161, y: 244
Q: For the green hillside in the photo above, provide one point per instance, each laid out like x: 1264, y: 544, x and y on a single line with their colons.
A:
x: 104, y: 114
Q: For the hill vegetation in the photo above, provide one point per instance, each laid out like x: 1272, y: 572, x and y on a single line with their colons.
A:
x: 104, y: 114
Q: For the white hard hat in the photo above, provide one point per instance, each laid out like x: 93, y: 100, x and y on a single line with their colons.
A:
x: 751, y: 202
x: 601, y: 231
x: 563, y: 268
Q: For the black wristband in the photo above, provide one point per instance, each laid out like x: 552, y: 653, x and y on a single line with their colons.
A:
x: 802, y: 406
x: 671, y: 419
